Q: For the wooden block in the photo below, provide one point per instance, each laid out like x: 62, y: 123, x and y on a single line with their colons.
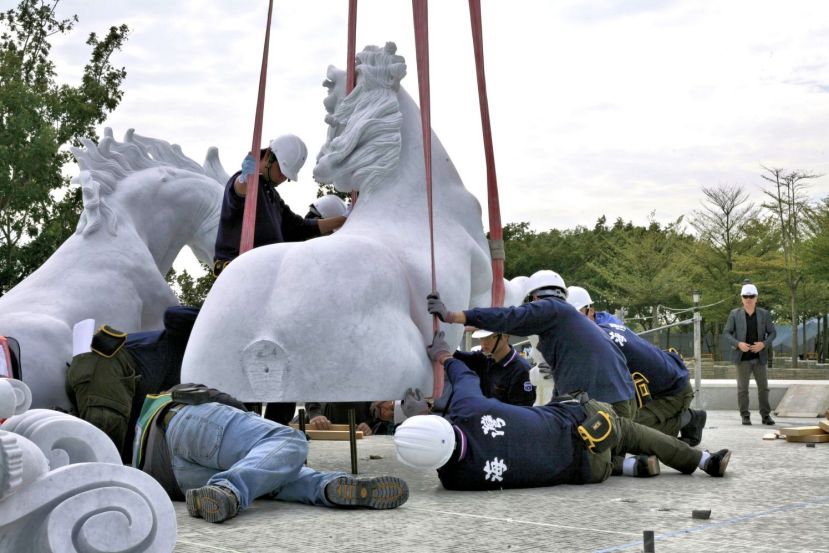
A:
x: 824, y: 424
x: 771, y: 435
x: 801, y: 431
x: 813, y: 439
x: 338, y: 435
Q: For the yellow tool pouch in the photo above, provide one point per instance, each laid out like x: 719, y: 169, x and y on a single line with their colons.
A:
x: 107, y: 341
x: 643, y: 392
x: 596, y: 432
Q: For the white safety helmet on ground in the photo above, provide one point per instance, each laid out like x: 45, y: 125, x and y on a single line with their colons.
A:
x: 424, y: 442
x: 578, y: 297
x: 290, y: 152
x: 329, y: 206
x: 545, y: 281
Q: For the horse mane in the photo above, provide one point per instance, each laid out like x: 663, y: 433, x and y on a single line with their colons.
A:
x: 105, y: 164
x: 364, y: 138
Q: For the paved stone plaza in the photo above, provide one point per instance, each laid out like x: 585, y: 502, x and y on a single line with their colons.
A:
x: 775, y: 498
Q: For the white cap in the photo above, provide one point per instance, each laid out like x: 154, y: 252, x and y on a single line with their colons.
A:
x: 481, y: 333
x: 748, y: 290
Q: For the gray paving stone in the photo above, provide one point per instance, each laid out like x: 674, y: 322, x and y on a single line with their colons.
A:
x: 775, y: 497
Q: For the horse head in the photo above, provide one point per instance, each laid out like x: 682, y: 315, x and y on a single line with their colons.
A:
x: 167, y: 198
x: 143, y: 200
x: 342, y: 317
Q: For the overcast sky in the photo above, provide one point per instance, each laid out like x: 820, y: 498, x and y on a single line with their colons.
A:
x: 598, y: 107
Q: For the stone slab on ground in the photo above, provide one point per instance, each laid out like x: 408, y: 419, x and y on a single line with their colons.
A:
x: 804, y: 400
x: 774, y: 498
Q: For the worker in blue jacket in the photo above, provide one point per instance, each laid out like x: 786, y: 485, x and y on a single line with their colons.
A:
x: 504, y: 374
x: 663, y: 388
x: 581, y: 357
x: 485, y: 444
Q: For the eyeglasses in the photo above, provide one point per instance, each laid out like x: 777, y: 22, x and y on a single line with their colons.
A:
x: 749, y: 297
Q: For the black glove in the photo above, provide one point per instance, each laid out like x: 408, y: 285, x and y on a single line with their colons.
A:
x: 413, y: 403
x: 438, y: 346
x: 436, y: 307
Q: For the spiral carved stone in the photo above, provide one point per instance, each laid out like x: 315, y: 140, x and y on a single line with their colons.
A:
x: 88, y: 507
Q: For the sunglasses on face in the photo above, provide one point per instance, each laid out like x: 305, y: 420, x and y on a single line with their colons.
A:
x: 751, y: 297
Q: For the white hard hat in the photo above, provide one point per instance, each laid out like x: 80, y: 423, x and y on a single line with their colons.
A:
x: 578, y: 297
x: 330, y: 206
x: 481, y: 333
x: 545, y: 279
x: 424, y: 442
x: 290, y: 152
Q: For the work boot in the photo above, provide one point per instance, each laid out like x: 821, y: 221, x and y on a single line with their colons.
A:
x: 212, y: 503
x: 715, y: 466
x: 747, y: 420
x: 646, y: 465
x: 768, y: 420
x: 381, y: 492
x: 691, y: 433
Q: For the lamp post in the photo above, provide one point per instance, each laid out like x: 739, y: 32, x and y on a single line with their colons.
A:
x: 696, y: 296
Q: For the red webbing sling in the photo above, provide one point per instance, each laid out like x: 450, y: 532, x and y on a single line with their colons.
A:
x: 249, y: 217
x: 421, y: 25
x: 496, y: 236
x: 350, y: 77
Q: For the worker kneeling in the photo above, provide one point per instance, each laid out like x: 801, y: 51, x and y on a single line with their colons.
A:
x: 485, y: 444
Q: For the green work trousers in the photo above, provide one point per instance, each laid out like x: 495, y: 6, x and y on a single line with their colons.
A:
x: 624, y: 409
x: 665, y: 413
x: 639, y: 440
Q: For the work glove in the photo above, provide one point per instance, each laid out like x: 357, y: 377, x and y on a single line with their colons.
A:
x: 436, y: 307
x: 413, y: 403
x: 438, y: 346
x: 248, y: 168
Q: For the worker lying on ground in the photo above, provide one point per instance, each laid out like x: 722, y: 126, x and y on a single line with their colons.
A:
x: 663, y: 389
x: 484, y: 444
x: 201, y: 444
x: 580, y: 355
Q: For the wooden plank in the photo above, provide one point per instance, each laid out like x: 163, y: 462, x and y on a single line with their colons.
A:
x: 336, y: 435
x: 802, y: 431
x: 824, y: 424
x: 337, y: 427
x: 814, y: 439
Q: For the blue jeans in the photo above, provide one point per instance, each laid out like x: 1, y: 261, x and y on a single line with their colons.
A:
x: 218, y: 444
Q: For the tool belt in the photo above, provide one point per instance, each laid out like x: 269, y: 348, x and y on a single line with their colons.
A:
x: 107, y: 341
x: 219, y: 265
x: 598, y: 431
x: 643, y: 392
x: 168, y: 416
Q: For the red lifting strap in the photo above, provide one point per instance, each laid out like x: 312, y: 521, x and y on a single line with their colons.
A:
x: 495, y: 232
x: 249, y: 217
x: 421, y: 24
x: 350, y: 76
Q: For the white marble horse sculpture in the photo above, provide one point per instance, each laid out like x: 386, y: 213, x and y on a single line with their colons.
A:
x: 63, y: 488
x: 343, y: 317
x: 143, y: 202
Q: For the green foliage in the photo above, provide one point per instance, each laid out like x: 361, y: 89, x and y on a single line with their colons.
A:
x: 191, y: 291
x: 39, y: 118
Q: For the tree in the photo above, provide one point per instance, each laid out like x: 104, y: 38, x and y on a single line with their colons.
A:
x: 191, y: 291
x: 788, y: 203
x: 39, y: 118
